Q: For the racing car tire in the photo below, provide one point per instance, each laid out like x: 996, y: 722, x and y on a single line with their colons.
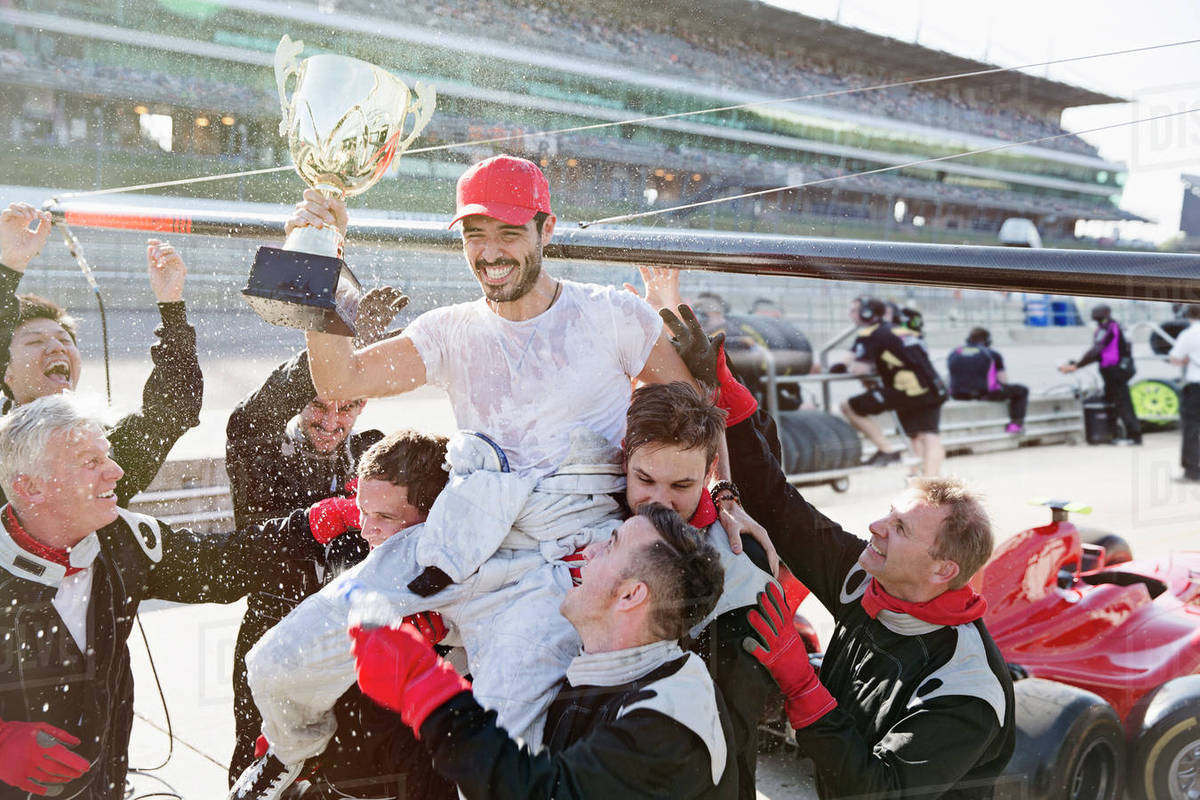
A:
x: 1116, y: 549
x: 1164, y: 729
x: 1069, y: 745
x: 1172, y: 327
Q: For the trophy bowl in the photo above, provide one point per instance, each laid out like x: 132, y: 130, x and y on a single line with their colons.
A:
x: 344, y: 121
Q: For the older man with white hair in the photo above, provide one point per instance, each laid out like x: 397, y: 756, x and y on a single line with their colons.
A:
x: 73, y: 569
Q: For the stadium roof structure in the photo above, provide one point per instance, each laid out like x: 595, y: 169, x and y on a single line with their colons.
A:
x: 801, y: 33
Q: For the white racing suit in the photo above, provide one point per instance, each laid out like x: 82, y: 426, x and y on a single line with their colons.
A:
x: 501, y: 535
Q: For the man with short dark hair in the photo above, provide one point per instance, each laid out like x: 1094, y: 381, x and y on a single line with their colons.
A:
x: 39, y: 355
x: 1186, y: 353
x: 1113, y: 353
x: 538, y: 371
x: 910, y: 386
x: 635, y: 715
x: 977, y: 373
x: 373, y: 754
x: 671, y: 441
x: 285, y: 449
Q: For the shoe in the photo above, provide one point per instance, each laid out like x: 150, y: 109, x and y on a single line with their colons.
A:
x: 1126, y: 442
x: 882, y: 459
x: 266, y: 779
x: 1187, y: 479
x: 1014, y: 427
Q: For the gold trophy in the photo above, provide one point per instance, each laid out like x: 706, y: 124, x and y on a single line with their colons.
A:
x: 344, y: 124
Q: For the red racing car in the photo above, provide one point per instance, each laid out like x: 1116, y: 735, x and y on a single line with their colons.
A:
x: 1111, y: 650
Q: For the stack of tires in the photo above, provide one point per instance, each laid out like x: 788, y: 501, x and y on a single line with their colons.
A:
x: 814, y: 441
x: 747, y: 337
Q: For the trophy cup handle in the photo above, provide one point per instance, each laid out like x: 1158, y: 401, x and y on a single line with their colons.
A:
x: 422, y: 111
x: 286, y: 65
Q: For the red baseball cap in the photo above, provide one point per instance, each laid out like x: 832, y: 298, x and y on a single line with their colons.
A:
x: 506, y: 188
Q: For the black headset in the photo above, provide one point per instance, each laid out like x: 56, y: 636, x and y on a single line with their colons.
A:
x: 870, y: 309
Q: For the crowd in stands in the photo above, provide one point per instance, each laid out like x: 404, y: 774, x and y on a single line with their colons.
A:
x: 649, y: 42
x: 72, y: 73
x: 757, y: 173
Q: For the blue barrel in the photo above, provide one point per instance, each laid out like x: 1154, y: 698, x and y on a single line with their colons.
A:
x: 1037, y: 313
x: 1063, y: 313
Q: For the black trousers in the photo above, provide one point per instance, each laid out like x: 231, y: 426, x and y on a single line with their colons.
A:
x: 744, y: 684
x: 1189, y: 422
x: 1116, y: 391
x: 1016, y: 394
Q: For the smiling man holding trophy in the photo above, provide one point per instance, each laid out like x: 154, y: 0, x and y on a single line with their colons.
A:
x: 344, y: 123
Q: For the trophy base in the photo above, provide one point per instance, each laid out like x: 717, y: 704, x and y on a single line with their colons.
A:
x: 303, y: 290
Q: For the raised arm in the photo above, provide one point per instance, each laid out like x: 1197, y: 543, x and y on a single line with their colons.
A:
x: 172, y: 395
x: 339, y: 371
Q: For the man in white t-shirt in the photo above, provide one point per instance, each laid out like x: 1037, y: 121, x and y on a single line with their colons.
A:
x: 1186, y: 353
x: 540, y: 368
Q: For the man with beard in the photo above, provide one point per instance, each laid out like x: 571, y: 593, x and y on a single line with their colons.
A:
x: 540, y: 367
x: 39, y: 355
x: 285, y: 449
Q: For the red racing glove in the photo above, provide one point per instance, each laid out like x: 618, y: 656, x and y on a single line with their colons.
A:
x: 780, y: 649
x: 333, y: 516
x: 429, y: 624
x: 35, y: 756
x: 736, y: 399
x: 398, y: 669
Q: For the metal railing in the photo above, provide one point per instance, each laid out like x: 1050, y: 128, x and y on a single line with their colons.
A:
x: 1111, y: 274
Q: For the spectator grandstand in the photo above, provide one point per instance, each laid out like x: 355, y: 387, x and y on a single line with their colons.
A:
x: 104, y: 78
x: 636, y: 36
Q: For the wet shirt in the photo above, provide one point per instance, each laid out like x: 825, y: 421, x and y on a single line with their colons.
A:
x: 526, y: 384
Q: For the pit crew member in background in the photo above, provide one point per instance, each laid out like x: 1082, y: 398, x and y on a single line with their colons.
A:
x: 910, y: 387
x: 39, y: 355
x: 977, y: 373
x: 285, y: 448
x: 1112, y: 351
x: 1186, y: 353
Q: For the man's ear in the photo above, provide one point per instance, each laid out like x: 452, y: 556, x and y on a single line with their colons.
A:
x: 712, y: 470
x: 27, y: 489
x: 548, y: 228
x: 945, y: 572
x: 631, y: 594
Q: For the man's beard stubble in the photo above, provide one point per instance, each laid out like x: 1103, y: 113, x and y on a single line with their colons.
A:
x: 527, y: 277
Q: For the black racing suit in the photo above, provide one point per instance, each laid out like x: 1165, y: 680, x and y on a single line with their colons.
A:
x: 44, y: 676
x: 923, y: 710
x: 909, y: 384
x: 271, y: 473
x: 595, y: 746
x: 974, y: 375
x: 170, y: 398
x: 1114, y: 355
